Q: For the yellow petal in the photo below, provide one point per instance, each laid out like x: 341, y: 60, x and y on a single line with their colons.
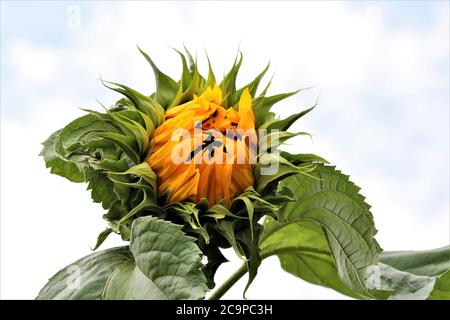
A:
x: 217, y: 177
x: 246, y: 117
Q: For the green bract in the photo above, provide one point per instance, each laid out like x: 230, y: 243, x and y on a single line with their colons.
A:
x: 315, y: 219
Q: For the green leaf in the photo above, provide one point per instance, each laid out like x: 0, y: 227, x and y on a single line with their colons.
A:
x: 143, y: 171
x: 272, y: 140
x: 215, y: 260
x: 249, y: 244
x: 272, y: 168
x: 128, y: 122
x: 334, y: 204
x: 414, y: 274
x: 238, y: 227
x: 263, y: 104
x: 60, y: 150
x: 227, y: 228
x: 211, y: 80
x: 74, y: 135
x: 249, y: 208
x: 169, y: 258
x: 127, y: 144
x: 280, y: 197
x: 387, y: 282
x: 189, y: 213
x: 422, y: 263
x: 298, y: 159
x: 284, y: 124
x: 326, y: 238
x: 101, y: 188
x: 218, y: 211
x: 186, y: 77
x: 244, y: 244
x: 228, y: 84
x: 166, y: 87
x: 303, y: 251
x: 102, y: 237
x: 140, y: 102
x: 188, y: 94
x: 57, y: 164
x: 86, y: 278
x: 253, y: 85
x: 161, y: 263
x: 441, y: 288
x: 147, y: 202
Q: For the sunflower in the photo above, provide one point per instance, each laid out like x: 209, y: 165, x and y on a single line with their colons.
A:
x: 197, y: 153
x: 210, y: 168
x: 193, y: 168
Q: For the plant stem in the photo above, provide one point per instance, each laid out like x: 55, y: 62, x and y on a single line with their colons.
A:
x: 220, y: 291
x: 216, y: 295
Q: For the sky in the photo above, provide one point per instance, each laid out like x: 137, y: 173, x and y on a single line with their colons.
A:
x: 381, y: 69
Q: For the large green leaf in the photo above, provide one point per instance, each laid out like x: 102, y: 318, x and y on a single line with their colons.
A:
x: 169, y: 258
x: 422, y: 263
x: 414, y: 274
x: 441, y: 288
x: 328, y: 207
x: 87, y: 277
x: 302, y: 243
x: 160, y: 263
x: 304, y: 252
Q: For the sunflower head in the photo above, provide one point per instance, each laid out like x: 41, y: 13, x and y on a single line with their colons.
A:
x: 195, y: 152
x: 205, y: 149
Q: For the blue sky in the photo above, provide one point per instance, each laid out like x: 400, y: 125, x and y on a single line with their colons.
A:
x: 382, y: 69
x: 405, y: 14
x: 43, y: 23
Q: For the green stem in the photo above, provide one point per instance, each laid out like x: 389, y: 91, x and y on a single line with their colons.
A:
x: 220, y: 291
x: 216, y: 295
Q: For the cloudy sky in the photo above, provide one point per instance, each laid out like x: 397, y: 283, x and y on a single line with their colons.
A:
x: 382, y: 69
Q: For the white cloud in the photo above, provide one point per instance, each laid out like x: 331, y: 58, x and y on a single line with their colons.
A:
x: 383, y: 118
x: 36, y: 64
